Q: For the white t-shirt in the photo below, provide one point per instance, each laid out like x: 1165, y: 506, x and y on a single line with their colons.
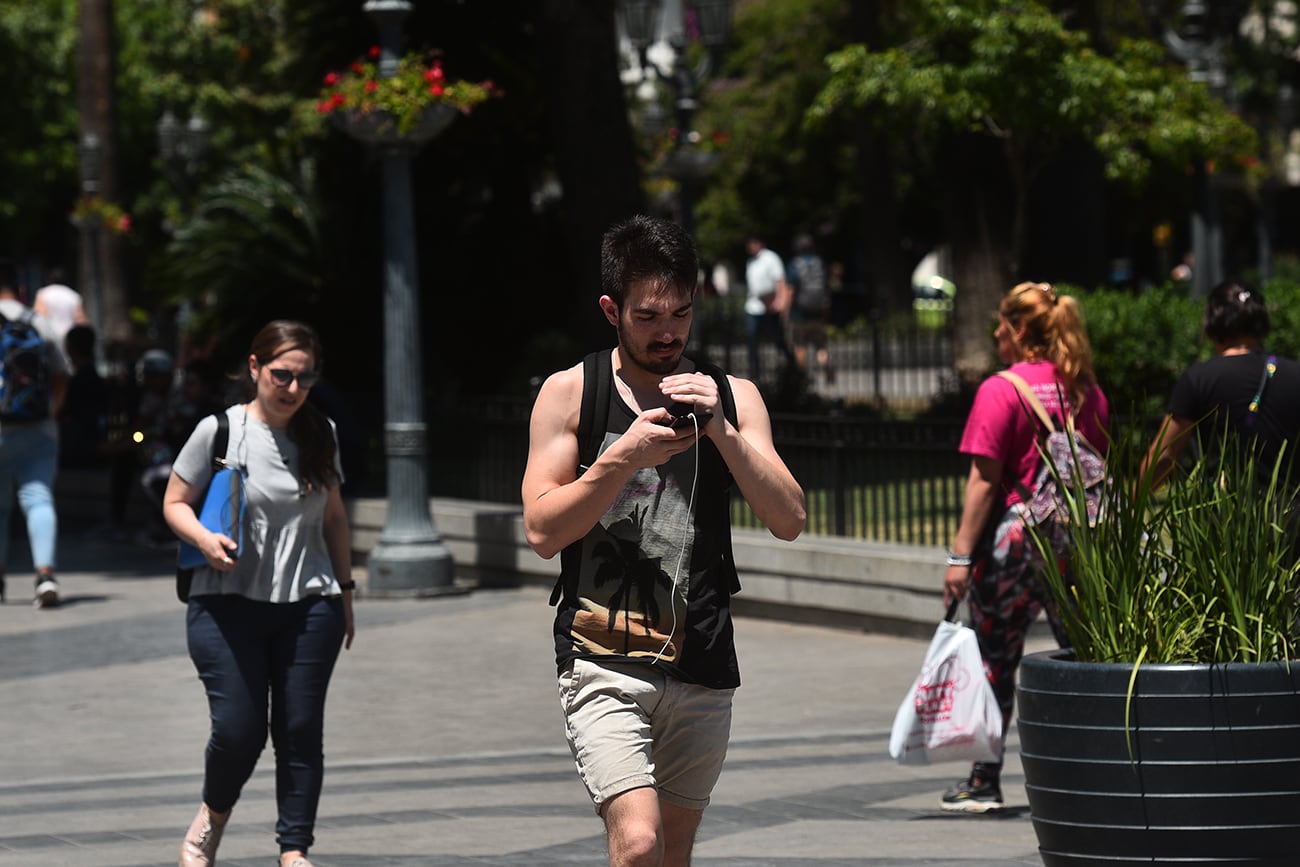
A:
x: 61, y: 307
x: 762, y: 275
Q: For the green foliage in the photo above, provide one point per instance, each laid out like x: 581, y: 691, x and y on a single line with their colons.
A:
x: 1141, y: 344
x: 1012, y: 70
x: 253, y: 250
x: 776, y: 178
x: 38, y: 141
x: 1205, y: 573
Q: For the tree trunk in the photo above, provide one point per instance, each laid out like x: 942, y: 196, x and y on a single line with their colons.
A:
x: 978, y: 215
x: 101, y: 267
x: 888, y: 278
x: 594, y: 152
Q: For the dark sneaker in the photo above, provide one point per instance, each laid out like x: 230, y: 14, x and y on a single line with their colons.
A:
x: 47, y: 591
x: 967, y: 798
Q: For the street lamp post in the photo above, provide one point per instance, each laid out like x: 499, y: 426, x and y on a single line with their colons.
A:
x: 643, y: 23
x: 1201, y: 50
x: 89, y: 156
x: 182, y: 148
x: 409, y: 558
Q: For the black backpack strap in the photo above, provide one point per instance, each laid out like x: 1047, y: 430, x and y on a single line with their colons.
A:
x: 725, y: 395
x: 597, y: 381
x: 728, y: 400
x: 221, y: 440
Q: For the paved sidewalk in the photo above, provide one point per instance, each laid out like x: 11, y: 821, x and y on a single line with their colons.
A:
x: 444, y: 741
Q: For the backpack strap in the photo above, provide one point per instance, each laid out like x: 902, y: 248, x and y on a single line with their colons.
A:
x: 221, y: 440
x: 597, y: 381
x: 1030, y: 399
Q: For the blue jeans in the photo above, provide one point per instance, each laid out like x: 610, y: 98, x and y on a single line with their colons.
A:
x: 251, y: 655
x: 28, y: 456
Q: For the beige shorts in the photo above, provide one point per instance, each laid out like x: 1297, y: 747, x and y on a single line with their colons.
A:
x: 631, y: 725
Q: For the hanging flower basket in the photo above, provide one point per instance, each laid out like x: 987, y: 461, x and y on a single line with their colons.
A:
x: 96, y: 212
x: 411, y: 106
x: 383, y: 128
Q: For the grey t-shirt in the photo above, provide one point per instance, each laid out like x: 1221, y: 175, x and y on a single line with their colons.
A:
x: 284, y: 558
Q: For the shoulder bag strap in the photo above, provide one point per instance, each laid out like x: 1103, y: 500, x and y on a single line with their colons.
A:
x: 1030, y: 399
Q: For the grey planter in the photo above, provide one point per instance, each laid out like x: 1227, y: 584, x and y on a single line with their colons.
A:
x: 1201, y: 768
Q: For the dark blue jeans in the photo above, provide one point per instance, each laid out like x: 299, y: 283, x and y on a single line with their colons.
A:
x: 255, y: 657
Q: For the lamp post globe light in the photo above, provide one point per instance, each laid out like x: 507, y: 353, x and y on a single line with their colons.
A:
x: 182, y: 147
x: 409, y: 558
x: 647, y: 22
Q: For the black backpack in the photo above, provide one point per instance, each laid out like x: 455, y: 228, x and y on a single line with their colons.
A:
x: 24, y: 371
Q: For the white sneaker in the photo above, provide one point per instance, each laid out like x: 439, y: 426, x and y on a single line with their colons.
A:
x: 47, y: 591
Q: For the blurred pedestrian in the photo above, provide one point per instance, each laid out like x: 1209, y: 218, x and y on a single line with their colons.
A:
x: 29, y: 433
x: 1242, y: 397
x: 811, y: 307
x: 265, y: 626
x: 767, y: 303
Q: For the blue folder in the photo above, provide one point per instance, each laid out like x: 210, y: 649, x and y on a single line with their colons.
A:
x: 222, y: 512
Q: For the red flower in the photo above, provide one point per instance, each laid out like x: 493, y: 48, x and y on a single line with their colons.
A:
x: 324, y: 107
x: 338, y: 100
x: 332, y: 79
x: 435, y: 90
x: 372, y: 86
x: 374, y: 52
x: 124, y: 224
x: 358, y: 67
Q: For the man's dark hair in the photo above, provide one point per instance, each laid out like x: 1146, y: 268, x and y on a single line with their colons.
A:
x: 80, y: 341
x: 647, y: 248
x: 1235, y: 310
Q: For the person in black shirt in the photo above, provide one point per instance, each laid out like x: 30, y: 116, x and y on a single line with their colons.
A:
x: 1241, y: 396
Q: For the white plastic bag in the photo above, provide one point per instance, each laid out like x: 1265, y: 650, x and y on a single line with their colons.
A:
x: 950, y: 712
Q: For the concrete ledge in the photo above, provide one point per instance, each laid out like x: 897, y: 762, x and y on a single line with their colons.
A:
x: 868, y: 585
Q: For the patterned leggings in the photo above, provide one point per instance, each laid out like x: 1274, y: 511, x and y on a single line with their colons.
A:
x: 1006, y: 596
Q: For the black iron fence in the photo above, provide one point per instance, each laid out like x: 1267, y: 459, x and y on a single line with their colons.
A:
x: 863, y: 479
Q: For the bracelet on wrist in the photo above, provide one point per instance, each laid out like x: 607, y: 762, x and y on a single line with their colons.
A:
x: 347, y: 585
x: 959, y: 559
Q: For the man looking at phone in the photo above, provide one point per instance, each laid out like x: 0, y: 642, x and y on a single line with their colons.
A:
x: 643, y: 632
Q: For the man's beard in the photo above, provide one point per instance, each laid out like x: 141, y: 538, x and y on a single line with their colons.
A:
x: 646, y: 361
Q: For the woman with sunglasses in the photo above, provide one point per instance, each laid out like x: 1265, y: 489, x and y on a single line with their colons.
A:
x: 1041, y: 336
x: 265, y: 627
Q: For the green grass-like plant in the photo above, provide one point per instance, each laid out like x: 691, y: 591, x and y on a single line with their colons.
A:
x: 1203, y: 570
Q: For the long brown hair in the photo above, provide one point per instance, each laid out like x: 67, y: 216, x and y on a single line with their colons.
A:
x: 309, y: 428
x: 1054, y: 330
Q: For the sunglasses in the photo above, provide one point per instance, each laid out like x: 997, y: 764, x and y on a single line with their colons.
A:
x: 283, y: 378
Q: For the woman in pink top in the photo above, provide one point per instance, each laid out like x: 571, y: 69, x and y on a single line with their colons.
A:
x: 1041, y: 335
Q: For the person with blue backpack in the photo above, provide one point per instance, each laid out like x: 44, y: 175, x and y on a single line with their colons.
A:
x: 33, y: 380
